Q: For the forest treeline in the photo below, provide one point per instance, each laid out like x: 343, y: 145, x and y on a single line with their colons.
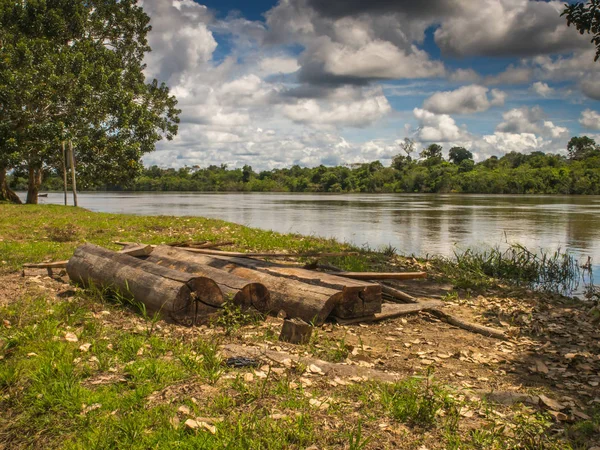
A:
x: 578, y: 172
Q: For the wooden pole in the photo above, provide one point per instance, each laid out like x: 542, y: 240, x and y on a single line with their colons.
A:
x: 73, y: 179
x: 64, y: 168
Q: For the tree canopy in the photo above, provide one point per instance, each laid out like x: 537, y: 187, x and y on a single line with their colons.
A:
x: 74, y: 71
x: 586, y: 18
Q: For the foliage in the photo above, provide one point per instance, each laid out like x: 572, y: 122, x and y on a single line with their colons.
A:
x: 586, y: 18
x: 513, y: 173
x: 74, y: 71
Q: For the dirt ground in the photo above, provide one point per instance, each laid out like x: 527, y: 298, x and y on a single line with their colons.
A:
x: 552, y: 358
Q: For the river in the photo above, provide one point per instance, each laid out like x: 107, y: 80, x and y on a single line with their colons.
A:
x: 417, y: 224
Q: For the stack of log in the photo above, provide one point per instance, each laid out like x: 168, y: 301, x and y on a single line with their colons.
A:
x: 190, y: 284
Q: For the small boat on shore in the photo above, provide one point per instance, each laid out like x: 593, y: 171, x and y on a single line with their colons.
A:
x: 42, y: 195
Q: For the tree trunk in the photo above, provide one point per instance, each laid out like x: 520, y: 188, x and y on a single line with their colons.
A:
x: 64, y: 169
x: 33, y: 185
x: 73, y: 178
x: 6, y: 194
x: 184, y: 298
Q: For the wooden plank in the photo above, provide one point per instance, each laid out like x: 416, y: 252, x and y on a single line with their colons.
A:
x: 382, y: 275
x: 48, y: 265
x: 393, y: 310
x: 206, y: 251
x: 137, y: 250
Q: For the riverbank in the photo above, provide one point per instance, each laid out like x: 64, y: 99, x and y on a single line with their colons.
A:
x: 78, y: 370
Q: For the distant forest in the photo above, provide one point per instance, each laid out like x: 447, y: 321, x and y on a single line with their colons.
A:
x: 514, y: 173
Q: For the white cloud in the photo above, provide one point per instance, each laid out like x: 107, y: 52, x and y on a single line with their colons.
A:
x: 357, y: 112
x: 274, y: 65
x: 590, y: 119
x: 542, y: 89
x: 521, y: 120
x: 464, y: 100
x: 437, y: 127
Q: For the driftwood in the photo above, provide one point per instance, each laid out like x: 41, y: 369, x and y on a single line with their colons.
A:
x: 472, y: 327
x: 392, y: 311
x: 359, y: 298
x: 242, y: 292
x: 313, y: 304
x: 181, y: 297
x: 382, y: 275
x: 396, y: 295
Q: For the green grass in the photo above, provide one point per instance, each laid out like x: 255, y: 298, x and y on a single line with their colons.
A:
x: 35, y: 233
x: 126, y: 389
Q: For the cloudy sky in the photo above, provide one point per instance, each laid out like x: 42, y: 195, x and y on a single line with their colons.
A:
x: 309, y: 82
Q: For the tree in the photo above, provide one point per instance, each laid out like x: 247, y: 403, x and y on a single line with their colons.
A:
x: 74, y: 71
x: 581, y: 147
x: 586, y: 18
x: 458, y: 154
x: 433, y: 152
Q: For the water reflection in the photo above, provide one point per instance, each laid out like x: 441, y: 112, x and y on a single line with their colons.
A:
x: 414, y: 224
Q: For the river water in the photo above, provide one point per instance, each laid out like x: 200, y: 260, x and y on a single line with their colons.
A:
x: 417, y: 224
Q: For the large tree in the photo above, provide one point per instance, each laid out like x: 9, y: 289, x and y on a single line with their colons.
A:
x: 73, y: 71
x: 581, y: 147
x: 586, y: 18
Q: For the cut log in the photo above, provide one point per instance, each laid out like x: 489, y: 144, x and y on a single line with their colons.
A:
x: 313, y: 304
x: 178, y: 296
x: 358, y: 299
x: 242, y: 292
x: 393, y: 310
x: 382, y: 275
x: 295, y: 331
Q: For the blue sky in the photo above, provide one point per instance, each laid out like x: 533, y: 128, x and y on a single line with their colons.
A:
x: 306, y: 82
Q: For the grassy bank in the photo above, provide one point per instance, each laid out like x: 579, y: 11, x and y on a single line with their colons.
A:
x: 80, y: 371
x: 51, y: 232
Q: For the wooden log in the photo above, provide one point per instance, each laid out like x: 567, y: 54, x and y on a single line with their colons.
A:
x: 382, y: 275
x: 178, y: 296
x: 313, y: 304
x: 392, y: 311
x: 295, y: 331
x: 242, y: 292
x: 358, y: 299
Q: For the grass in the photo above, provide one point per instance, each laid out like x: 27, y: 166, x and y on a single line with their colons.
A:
x: 130, y: 381
x: 557, y: 272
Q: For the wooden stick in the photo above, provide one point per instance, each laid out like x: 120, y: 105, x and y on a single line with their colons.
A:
x: 265, y: 254
x: 50, y: 265
x: 382, y: 275
x: 181, y: 245
x: 398, y: 295
x: 73, y: 175
x: 472, y: 327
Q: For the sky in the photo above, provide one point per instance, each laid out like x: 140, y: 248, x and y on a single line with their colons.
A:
x: 277, y: 83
